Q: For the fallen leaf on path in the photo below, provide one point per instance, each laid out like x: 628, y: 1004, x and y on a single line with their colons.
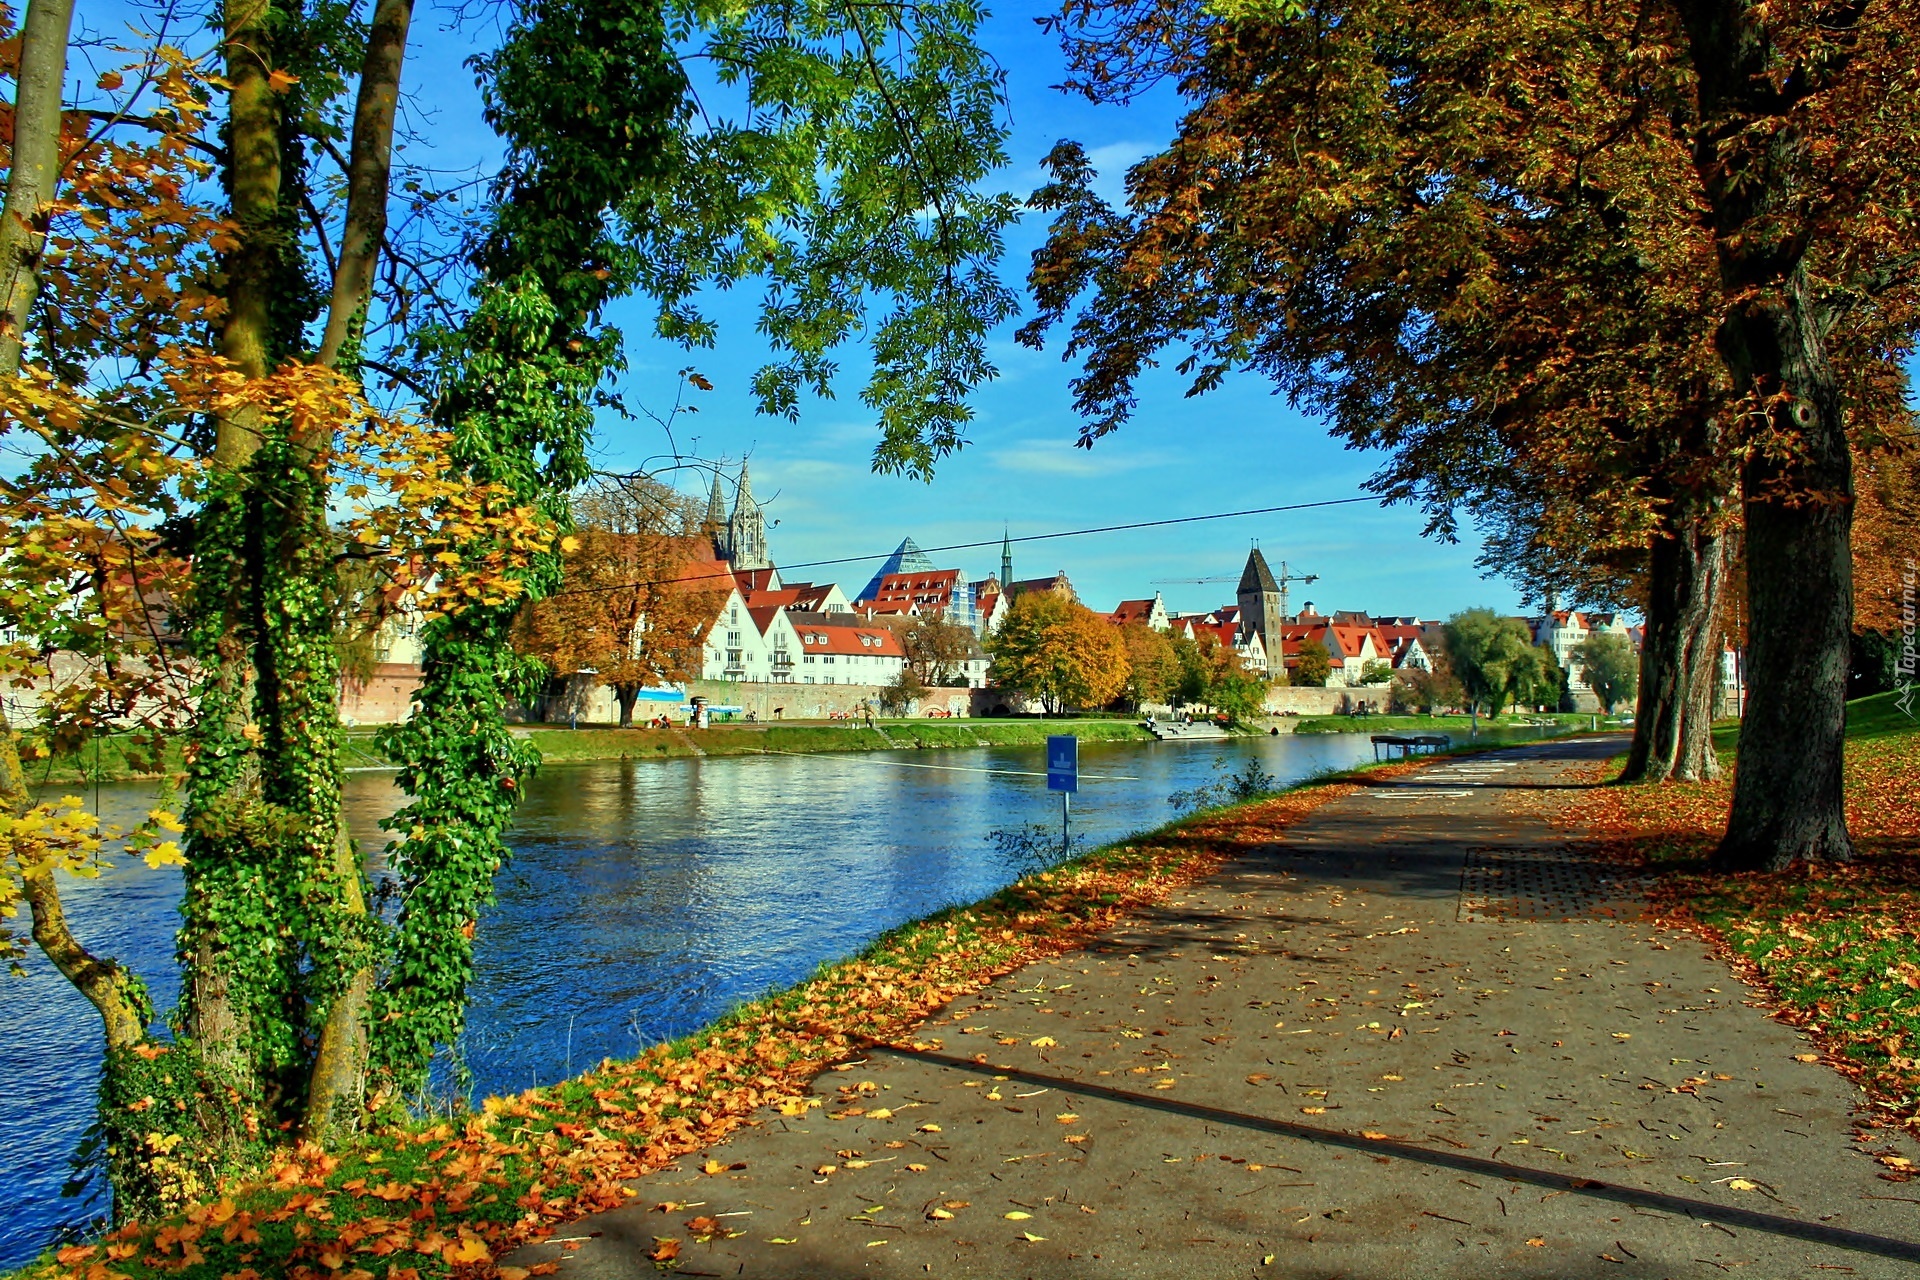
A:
x: 929, y: 1128
x: 1806, y: 1057
x: 940, y: 1215
x: 916, y: 1168
x: 1017, y: 1216
x: 1043, y: 1042
x: 1066, y: 1117
x: 1313, y: 1111
x: 664, y: 1249
x: 880, y: 1113
x: 1032, y: 1237
x: 1537, y: 1242
x: 712, y: 1167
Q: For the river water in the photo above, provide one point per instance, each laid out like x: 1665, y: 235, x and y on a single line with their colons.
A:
x: 644, y: 899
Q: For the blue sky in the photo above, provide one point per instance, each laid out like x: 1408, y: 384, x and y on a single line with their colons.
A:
x: 1237, y: 448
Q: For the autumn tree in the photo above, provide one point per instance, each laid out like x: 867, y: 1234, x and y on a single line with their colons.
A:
x: 1635, y: 234
x: 1491, y: 656
x: 1312, y: 665
x: 1153, y: 666
x: 229, y: 281
x: 937, y: 650
x: 639, y: 592
x: 1609, y: 667
x: 1058, y: 651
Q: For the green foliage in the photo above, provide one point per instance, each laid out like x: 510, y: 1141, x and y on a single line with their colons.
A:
x: 1376, y: 672
x: 1611, y: 668
x: 1492, y: 657
x: 850, y: 182
x: 1313, y: 665
x: 585, y: 97
x: 1241, y: 695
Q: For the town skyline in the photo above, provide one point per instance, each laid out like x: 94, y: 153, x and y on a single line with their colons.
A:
x: 822, y: 538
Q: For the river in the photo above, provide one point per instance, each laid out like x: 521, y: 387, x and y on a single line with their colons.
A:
x: 644, y: 899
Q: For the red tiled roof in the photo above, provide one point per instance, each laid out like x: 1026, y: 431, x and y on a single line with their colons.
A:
x: 1132, y: 611
x: 818, y: 637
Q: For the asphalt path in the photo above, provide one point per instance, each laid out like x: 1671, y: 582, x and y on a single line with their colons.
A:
x: 1422, y: 1035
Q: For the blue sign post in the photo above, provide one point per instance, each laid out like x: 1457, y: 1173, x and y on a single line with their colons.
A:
x: 1063, y: 775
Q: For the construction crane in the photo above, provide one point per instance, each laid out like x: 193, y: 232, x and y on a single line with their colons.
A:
x: 1283, y: 579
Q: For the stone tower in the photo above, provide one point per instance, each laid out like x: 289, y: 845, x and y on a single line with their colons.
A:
x: 746, y: 529
x: 1259, y: 600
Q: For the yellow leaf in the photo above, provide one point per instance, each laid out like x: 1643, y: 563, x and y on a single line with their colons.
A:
x: 1742, y: 1184
x: 1017, y: 1216
x: 569, y: 544
x: 1044, y: 1042
x: 166, y: 854
x: 1030, y: 1236
x: 280, y: 81
x: 469, y: 1250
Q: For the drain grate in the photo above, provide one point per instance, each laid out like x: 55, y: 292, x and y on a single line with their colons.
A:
x: 1546, y: 884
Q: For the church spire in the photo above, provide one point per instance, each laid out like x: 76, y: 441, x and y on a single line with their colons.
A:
x: 743, y: 496
x: 1006, y: 558
x: 716, y: 504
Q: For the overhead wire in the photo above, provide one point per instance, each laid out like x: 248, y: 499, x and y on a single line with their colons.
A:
x: 993, y: 542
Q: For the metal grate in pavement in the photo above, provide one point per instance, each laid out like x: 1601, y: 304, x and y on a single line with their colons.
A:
x: 1554, y: 883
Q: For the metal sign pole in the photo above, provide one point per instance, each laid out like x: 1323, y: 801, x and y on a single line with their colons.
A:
x: 1063, y: 775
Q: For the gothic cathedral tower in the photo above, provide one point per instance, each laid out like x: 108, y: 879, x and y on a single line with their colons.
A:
x: 747, y: 529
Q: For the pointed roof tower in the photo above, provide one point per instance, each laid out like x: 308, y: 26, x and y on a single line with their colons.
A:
x: 1257, y: 576
x: 716, y: 504
x: 1006, y: 557
x: 743, y: 496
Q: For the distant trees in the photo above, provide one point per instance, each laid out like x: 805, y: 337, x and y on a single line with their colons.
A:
x: 1060, y: 652
x: 631, y: 613
x: 906, y: 688
x: 1313, y: 665
x: 1497, y: 663
x: 1376, y: 672
x: 1611, y: 667
x: 1417, y: 689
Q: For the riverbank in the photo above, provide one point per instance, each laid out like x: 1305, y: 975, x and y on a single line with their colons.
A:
x: 119, y: 758
x: 517, y: 1167
x: 560, y: 746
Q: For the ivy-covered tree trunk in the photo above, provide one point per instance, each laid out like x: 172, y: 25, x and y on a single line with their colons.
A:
x: 227, y: 895
x: 1679, y: 656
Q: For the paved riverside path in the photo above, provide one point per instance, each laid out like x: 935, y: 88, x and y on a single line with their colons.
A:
x: 1416, y: 1037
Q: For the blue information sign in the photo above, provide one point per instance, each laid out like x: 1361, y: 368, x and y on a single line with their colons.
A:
x: 1063, y: 762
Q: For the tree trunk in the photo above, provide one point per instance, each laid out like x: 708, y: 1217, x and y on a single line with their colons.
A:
x: 628, y: 694
x: 1789, y: 802
x: 1679, y: 656
x: 368, y: 164
x: 36, y: 167
x: 226, y: 569
x: 339, y: 1075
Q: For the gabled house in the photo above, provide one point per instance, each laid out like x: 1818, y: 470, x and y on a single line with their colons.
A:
x: 1152, y: 612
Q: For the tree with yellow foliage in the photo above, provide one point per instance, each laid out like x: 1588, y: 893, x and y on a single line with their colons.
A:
x: 1059, y: 651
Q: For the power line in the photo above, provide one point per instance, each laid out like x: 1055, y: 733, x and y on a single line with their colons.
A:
x: 994, y: 542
